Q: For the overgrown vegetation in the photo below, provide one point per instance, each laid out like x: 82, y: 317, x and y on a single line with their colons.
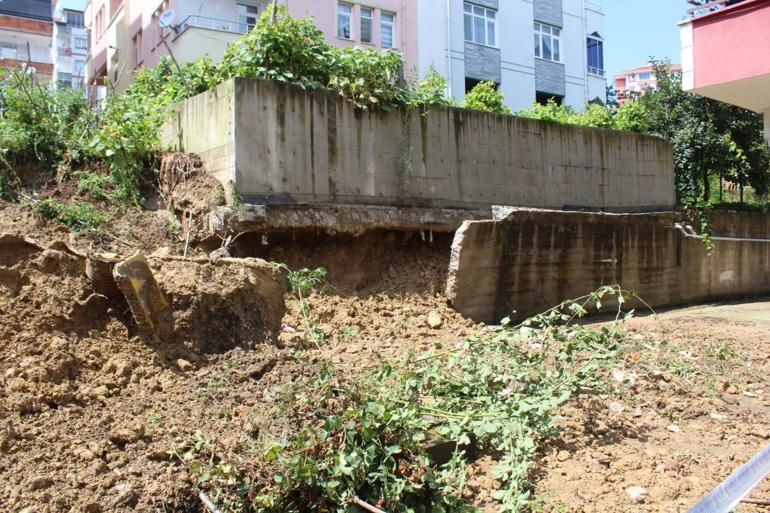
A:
x: 367, y: 440
x: 485, y: 96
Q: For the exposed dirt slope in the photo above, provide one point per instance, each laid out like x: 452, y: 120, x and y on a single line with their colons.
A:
x: 92, y: 410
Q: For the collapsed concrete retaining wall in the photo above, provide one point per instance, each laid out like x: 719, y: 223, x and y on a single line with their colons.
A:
x: 532, y: 260
x: 279, y: 144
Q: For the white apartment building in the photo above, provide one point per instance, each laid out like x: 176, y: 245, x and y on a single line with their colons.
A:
x: 70, y: 44
x: 533, y: 50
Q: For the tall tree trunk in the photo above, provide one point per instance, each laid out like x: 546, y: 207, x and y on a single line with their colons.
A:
x: 706, y: 186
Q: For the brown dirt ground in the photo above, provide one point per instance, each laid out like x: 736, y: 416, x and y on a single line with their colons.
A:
x: 91, y: 412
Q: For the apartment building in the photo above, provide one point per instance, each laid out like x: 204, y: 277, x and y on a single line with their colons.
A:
x: 724, y: 53
x: 26, y: 28
x: 69, y: 49
x: 126, y: 35
x: 533, y: 50
x: 636, y: 81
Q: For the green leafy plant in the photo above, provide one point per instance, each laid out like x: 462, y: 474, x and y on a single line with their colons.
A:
x: 485, y: 96
x: 494, y: 395
x: 301, y: 283
x: 79, y: 216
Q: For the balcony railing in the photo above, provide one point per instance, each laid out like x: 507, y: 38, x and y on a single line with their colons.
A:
x: 203, y: 22
x: 706, y: 6
x: 595, y: 71
x: 595, y: 5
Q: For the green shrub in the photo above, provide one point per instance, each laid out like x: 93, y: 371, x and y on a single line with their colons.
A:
x: 430, y: 90
x: 79, y: 216
x: 40, y: 126
x: 631, y: 116
x: 99, y: 186
x: 485, y: 96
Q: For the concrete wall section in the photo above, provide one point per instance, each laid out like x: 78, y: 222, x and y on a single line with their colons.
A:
x: 532, y: 260
x: 205, y: 125
x: 296, y: 146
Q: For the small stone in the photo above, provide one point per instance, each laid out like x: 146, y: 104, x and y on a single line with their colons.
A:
x: 760, y: 432
x: 563, y: 456
x: 101, y: 391
x: 718, y: 417
x: 434, y: 320
x: 184, y: 365
x: 637, y: 494
x: 618, y: 375
x: 93, y: 507
x: 673, y: 428
x: 126, y: 435
x: 125, y: 496
x: 40, y: 483
x: 616, y: 407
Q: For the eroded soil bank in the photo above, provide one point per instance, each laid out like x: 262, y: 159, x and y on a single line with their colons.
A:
x: 92, y: 410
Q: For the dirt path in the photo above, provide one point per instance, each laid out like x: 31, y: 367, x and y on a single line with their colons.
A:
x: 694, y: 406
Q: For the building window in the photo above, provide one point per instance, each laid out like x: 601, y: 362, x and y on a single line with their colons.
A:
x: 547, y: 42
x: 367, y: 20
x: 74, y: 18
x: 79, y: 68
x: 387, y: 30
x: 645, y: 75
x: 81, y: 43
x: 480, y: 25
x: 543, y: 98
x: 9, y: 51
x: 595, y: 60
x: 137, y: 55
x: 64, y: 79
x: 247, y: 16
x: 344, y: 18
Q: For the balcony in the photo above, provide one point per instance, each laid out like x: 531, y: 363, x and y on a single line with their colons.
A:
x: 203, y: 22
x: 723, y: 52
x: 707, y: 6
x: 598, y: 72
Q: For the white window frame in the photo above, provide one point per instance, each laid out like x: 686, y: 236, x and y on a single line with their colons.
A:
x: 349, y: 15
x: 593, y: 70
x: 472, y: 12
x: 242, y: 10
x: 543, y: 32
x: 367, y: 15
x: 9, y: 51
x: 391, y: 25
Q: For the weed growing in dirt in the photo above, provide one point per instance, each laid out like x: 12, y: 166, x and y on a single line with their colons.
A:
x: 301, y: 283
x: 368, y: 440
x: 98, y: 186
x: 79, y: 216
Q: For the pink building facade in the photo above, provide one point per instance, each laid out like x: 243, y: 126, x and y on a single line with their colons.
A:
x: 725, y: 54
x: 636, y: 81
x: 126, y: 34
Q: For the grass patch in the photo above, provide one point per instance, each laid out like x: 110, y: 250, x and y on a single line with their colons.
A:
x: 78, y: 216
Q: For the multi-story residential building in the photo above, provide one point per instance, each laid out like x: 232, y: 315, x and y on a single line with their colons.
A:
x: 26, y: 27
x: 636, y: 81
x: 533, y: 50
x: 725, y: 53
x: 70, y: 43
x: 127, y: 35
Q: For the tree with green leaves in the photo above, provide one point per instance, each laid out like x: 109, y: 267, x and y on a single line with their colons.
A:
x: 711, y: 139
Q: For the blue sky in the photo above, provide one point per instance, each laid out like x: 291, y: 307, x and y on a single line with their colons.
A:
x: 636, y: 30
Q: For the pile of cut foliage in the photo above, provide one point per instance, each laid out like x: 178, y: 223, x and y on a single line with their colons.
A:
x: 369, y: 440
